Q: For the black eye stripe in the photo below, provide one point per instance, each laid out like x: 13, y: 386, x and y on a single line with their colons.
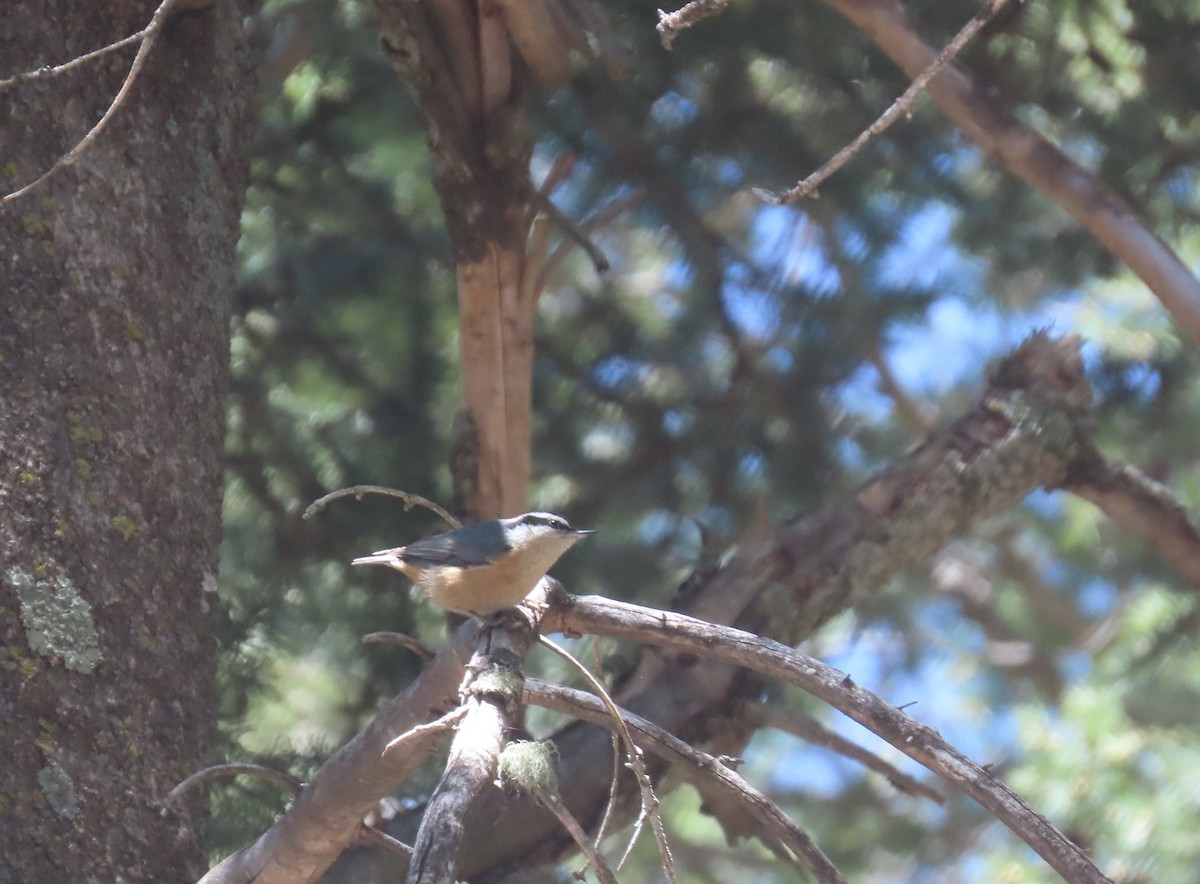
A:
x: 547, y: 520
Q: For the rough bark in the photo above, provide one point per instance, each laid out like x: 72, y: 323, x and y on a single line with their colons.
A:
x: 117, y: 274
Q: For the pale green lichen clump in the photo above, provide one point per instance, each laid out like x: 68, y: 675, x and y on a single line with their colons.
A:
x: 529, y: 765
x: 58, y: 620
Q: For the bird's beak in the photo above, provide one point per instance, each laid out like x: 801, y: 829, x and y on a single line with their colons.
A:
x: 376, y: 559
x: 583, y: 532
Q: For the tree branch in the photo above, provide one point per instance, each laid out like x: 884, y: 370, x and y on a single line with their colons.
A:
x: 1029, y: 425
x: 700, y: 767
x: 601, y: 616
x: 808, y: 728
x: 328, y: 814
x: 1026, y: 429
x: 492, y: 691
x: 1033, y: 159
x: 902, y: 106
x: 149, y: 37
x: 692, y: 13
x: 1141, y: 506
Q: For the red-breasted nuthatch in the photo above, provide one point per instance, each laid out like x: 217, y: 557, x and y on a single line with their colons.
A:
x: 485, y: 567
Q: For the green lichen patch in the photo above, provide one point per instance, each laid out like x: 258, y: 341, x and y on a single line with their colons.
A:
x: 127, y: 527
x: 529, y: 766
x: 80, y: 432
x: 58, y: 620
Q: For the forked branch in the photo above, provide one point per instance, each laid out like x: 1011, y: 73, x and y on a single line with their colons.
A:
x: 600, y: 616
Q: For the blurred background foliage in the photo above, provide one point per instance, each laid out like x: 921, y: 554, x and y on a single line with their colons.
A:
x: 739, y: 360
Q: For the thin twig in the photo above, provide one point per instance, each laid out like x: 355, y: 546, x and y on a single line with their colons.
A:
x: 613, y: 782
x: 386, y: 841
x: 39, y: 73
x: 808, y: 728
x: 573, y: 231
x: 700, y: 767
x: 558, y: 172
x: 901, y: 106
x: 671, y: 23
x: 418, y: 647
x: 593, y: 223
x: 227, y: 771
x: 636, y: 761
x: 445, y: 723
x: 552, y: 802
x: 150, y: 36
x: 410, y: 500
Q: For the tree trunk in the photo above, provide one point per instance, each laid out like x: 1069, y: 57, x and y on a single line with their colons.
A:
x: 114, y: 314
x: 460, y: 61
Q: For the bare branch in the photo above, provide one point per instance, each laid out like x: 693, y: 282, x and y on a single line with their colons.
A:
x: 573, y: 231
x: 555, y: 804
x: 1141, y: 506
x: 696, y: 765
x: 808, y: 728
x: 558, y: 172
x: 149, y: 36
x: 410, y: 500
x: 902, y: 106
x: 414, y: 734
x: 40, y: 73
x: 1032, y: 158
x: 386, y: 841
x: 328, y: 813
x: 598, y: 615
x: 613, y: 210
x: 1026, y: 429
x: 671, y: 23
x: 399, y: 638
x: 226, y: 771
x: 636, y: 764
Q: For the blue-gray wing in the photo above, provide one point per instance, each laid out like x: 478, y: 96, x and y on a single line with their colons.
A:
x: 474, y: 545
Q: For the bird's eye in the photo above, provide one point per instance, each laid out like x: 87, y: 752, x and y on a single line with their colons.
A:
x: 550, y: 521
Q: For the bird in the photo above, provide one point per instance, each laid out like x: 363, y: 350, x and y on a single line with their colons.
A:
x: 485, y: 567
